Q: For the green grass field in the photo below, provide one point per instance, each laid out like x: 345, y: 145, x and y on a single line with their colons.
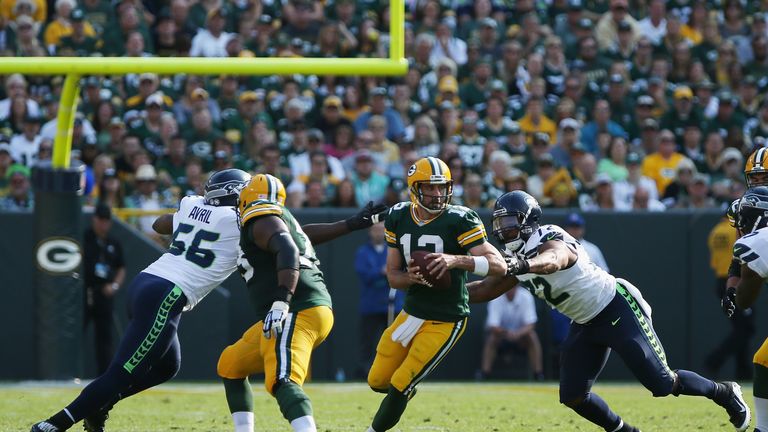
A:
x: 461, y: 407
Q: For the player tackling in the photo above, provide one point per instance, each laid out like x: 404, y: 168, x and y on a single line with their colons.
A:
x: 608, y: 313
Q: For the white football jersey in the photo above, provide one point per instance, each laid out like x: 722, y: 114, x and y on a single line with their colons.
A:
x: 752, y: 250
x: 203, y: 250
x: 580, y: 291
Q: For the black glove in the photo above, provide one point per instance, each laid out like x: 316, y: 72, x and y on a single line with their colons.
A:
x: 728, y: 302
x: 517, y: 264
x: 367, y: 216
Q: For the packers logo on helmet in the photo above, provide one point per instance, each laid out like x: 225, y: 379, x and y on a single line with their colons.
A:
x: 263, y: 195
x: 432, y: 171
x: 756, y: 168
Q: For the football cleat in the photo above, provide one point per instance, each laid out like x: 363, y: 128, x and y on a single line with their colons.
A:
x: 95, y: 423
x: 734, y: 404
x: 44, y: 426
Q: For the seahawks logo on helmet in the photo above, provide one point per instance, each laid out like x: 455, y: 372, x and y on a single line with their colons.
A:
x: 223, y: 187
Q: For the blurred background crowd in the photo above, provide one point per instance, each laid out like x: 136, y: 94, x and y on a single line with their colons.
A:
x: 591, y: 104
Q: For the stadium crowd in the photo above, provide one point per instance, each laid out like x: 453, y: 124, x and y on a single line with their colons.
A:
x: 595, y: 104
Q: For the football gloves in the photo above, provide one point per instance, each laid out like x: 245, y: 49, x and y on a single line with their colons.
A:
x: 517, y: 264
x: 273, y: 322
x: 367, y: 216
x: 728, y: 302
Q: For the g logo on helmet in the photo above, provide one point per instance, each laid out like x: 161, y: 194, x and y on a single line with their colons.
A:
x: 58, y: 255
x: 411, y: 170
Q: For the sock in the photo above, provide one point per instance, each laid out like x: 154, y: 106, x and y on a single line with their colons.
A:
x: 292, y: 400
x: 760, y: 394
x: 239, y: 395
x: 304, y: 424
x: 370, y: 429
x: 693, y: 384
x: 243, y: 421
x: 594, y: 409
x: 390, y: 410
x: 62, y: 420
x: 761, y: 414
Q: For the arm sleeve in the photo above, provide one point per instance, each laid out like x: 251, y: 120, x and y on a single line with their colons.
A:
x: 734, y: 270
x: 471, y: 231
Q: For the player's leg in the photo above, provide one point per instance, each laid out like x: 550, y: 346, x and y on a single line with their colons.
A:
x: 634, y: 339
x: 236, y: 363
x: 428, y: 348
x: 157, y: 306
x: 760, y: 389
x: 286, y: 363
x: 389, y: 357
x: 581, y: 362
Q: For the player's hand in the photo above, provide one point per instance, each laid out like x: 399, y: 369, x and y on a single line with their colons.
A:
x: 273, y: 322
x: 728, y: 302
x: 367, y: 216
x: 414, y: 274
x: 440, y: 263
x: 516, y: 264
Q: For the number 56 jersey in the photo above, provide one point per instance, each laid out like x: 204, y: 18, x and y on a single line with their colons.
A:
x: 203, y: 250
x: 455, y: 231
x: 580, y: 291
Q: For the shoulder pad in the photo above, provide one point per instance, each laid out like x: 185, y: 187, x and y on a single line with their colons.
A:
x: 260, y: 208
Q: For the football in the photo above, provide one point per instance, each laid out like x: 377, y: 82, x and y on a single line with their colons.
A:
x: 420, y: 259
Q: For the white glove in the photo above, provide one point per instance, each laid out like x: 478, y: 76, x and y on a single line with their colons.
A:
x: 273, y: 322
x: 407, y: 330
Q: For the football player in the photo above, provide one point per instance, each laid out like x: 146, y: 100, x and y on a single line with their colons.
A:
x: 751, y: 254
x: 608, y: 313
x: 202, y: 254
x: 281, y: 270
x: 432, y: 320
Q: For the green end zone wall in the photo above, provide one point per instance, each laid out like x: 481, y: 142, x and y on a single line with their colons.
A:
x: 665, y: 255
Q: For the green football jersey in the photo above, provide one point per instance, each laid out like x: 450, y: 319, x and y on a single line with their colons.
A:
x: 257, y: 266
x: 455, y: 231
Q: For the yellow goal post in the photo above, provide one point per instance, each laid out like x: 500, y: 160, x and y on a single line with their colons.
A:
x: 74, y: 67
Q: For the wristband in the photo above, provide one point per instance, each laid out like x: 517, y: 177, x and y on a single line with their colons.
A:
x: 481, y: 265
x: 525, y: 266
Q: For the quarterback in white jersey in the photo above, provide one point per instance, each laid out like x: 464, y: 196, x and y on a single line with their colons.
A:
x: 607, y: 313
x: 203, y: 252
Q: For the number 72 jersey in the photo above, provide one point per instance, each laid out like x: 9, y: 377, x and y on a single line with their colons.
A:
x: 203, y: 250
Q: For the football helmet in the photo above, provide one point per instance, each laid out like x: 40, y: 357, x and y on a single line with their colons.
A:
x: 516, y: 217
x: 223, y: 187
x: 756, y: 168
x: 430, y: 170
x: 262, y: 188
x: 752, y: 213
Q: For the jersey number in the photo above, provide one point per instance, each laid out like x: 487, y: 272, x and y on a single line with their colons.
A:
x: 424, y: 240
x: 194, y: 253
x: 541, y: 284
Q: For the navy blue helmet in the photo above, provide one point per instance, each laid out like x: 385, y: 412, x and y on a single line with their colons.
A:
x: 223, y: 187
x: 752, y: 213
x: 516, y: 217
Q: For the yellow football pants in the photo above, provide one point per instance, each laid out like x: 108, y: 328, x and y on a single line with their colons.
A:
x: 761, y: 356
x: 404, y: 367
x: 285, y: 356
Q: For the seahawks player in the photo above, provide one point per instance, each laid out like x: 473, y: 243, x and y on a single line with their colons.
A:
x: 279, y: 265
x: 202, y: 253
x: 432, y: 321
x: 751, y: 254
x: 607, y: 312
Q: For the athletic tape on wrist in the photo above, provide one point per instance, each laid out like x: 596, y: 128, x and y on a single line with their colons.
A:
x: 481, y: 265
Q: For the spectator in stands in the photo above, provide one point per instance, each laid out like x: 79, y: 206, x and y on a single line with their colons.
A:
x: 379, y: 303
x: 370, y: 185
x: 642, y: 201
x: 660, y: 165
x: 601, y: 122
x: 16, y: 86
x: 147, y: 197
x: 378, y: 106
x: 446, y: 44
x: 26, y: 145
x: 535, y: 121
x: 6, y: 162
x: 19, y: 197
x: 511, y: 326
x: 212, y: 41
x: 576, y: 226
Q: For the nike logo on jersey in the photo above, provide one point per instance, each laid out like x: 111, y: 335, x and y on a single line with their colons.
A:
x: 613, y: 323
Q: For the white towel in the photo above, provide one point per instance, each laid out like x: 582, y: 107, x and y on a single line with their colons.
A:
x: 407, y: 330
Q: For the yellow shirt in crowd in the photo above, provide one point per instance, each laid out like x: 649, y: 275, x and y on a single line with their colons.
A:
x: 57, y: 30
x: 720, y: 242
x: 660, y: 170
x: 545, y: 125
x: 39, y: 15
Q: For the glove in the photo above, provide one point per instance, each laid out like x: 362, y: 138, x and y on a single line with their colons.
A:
x: 367, y: 216
x: 728, y: 302
x: 273, y: 322
x: 517, y: 264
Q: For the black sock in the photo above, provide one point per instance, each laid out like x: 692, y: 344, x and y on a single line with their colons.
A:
x: 61, y: 420
x: 390, y: 410
x: 693, y: 384
x: 594, y: 409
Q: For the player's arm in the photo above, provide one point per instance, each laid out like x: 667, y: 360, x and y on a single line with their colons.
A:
x: 163, y: 224
x: 489, y: 288
x: 748, y: 287
x: 324, y: 232
x: 398, y: 278
x: 553, y: 255
x: 483, y: 260
x: 728, y: 300
x: 271, y: 234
